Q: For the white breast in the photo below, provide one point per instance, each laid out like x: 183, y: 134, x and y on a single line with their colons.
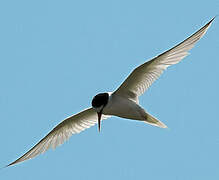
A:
x: 123, y: 107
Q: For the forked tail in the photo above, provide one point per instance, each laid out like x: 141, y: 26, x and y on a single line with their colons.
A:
x: 153, y: 121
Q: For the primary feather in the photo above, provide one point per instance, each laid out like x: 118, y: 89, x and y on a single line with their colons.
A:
x: 62, y: 132
x: 143, y: 76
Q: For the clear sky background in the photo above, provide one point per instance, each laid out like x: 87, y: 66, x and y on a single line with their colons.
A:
x: 56, y: 55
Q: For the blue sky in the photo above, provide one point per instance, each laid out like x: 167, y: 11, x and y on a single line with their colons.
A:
x: 56, y: 55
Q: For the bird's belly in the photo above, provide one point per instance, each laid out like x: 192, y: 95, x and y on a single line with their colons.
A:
x: 124, y: 108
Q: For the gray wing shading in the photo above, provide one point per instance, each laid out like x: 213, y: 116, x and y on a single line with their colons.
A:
x: 143, y: 76
x: 62, y: 132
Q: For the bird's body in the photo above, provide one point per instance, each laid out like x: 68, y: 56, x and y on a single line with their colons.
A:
x: 123, y: 102
x: 123, y: 107
x: 129, y: 109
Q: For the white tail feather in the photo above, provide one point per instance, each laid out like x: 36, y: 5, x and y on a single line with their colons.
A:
x: 155, y: 122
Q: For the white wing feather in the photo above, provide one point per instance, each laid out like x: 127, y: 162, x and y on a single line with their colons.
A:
x: 62, y: 132
x: 143, y: 76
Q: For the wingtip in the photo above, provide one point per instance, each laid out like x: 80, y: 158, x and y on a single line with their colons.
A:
x: 210, y: 22
x: 212, y: 19
x: 7, y: 166
x: 10, y: 164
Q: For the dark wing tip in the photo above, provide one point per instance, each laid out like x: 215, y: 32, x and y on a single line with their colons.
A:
x: 211, y: 20
x: 14, y: 162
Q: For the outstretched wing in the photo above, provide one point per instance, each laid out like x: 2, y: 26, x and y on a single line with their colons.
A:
x: 143, y: 76
x: 62, y: 132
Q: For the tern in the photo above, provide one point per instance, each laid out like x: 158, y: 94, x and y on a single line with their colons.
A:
x: 123, y: 102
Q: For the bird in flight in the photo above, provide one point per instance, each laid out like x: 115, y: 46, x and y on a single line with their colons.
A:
x: 123, y: 102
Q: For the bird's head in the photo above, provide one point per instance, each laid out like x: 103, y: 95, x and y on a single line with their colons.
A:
x: 98, y: 103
